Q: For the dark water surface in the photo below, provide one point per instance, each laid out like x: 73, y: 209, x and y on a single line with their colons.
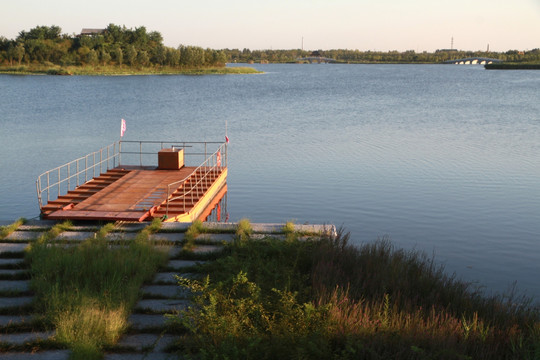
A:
x: 443, y: 159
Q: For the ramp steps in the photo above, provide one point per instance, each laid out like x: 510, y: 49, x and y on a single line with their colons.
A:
x: 84, y: 191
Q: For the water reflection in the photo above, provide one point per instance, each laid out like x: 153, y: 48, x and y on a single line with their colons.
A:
x: 217, y: 210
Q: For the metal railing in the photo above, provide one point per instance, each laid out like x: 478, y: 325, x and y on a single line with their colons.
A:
x: 62, y: 179
x: 144, y: 152
x: 199, y: 180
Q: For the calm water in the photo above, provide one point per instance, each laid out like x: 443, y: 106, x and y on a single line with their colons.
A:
x: 443, y: 159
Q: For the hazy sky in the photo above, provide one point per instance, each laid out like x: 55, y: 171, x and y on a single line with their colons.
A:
x: 420, y: 25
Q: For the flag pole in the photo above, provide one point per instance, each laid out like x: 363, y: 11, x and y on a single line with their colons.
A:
x: 122, y: 131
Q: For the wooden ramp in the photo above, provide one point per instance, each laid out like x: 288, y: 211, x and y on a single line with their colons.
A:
x: 138, y: 194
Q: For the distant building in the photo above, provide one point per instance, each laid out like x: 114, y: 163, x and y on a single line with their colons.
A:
x: 316, y: 54
x: 90, y: 32
x: 445, y: 50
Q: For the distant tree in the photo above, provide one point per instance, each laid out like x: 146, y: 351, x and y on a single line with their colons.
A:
x: 83, y: 53
x: 41, y: 33
x: 172, y: 57
x: 119, y: 55
x: 92, y: 57
x: 159, y: 55
x: 155, y: 38
x: 142, y: 58
x: 18, y: 52
x: 131, y: 55
x: 105, y: 57
x: 140, y: 38
x: 115, y: 34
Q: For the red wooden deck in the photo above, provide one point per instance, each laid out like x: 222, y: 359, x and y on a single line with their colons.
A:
x: 121, y: 194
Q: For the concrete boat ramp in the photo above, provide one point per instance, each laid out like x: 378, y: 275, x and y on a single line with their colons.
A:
x: 148, y: 335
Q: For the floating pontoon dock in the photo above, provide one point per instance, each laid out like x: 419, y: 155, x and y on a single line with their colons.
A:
x: 137, y: 181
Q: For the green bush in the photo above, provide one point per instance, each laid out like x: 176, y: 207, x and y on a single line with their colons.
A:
x: 327, y: 299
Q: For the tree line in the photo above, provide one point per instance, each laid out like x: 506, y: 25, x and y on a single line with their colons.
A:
x: 357, y: 56
x: 115, y: 45
x: 118, y: 45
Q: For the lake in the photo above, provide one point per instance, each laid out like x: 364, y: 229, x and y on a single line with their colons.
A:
x: 443, y: 159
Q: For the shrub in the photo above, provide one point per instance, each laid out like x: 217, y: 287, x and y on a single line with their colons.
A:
x: 243, y: 230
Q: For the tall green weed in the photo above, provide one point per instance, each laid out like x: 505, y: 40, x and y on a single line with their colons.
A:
x: 325, y: 299
x: 87, y: 291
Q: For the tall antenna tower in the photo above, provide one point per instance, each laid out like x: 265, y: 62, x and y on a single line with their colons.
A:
x: 452, y: 43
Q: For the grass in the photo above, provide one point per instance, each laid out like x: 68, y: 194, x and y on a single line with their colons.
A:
x: 5, y: 231
x: 327, y: 299
x: 113, y: 70
x: 194, y: 230
x: 244, y: 230
x: 86, y: 292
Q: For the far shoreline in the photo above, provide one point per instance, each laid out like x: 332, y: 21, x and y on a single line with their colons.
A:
x: 121, y: 70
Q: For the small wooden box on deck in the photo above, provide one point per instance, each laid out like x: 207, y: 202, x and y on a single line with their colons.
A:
x: 170, y: 159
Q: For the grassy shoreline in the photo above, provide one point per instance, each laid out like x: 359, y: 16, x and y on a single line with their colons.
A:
x: 110, y: 70
x: 279, y: 295
x: 513, y: 66
x: 327, y: 299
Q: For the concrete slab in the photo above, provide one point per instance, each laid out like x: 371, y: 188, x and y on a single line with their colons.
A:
x: 174, y: 251
x: 11, y: 272
x: 162, y: 344
x: 168, y: 237
x: 168, y: 291
x: 142, y: 356
x: 24, y: 236
x: 216, y: 238
x: 221, y: 226
x: 267, y: 236
x: 170, y: 277
x: 119, y: 236
x: 13, y: 302
x: 25, y: 338
x: 75, y: 235
x: 181, y: 264
x: 173, y: 226
x: 152, y: 343
x: 139, y: 342
x: 267, y: 228
x: 131, y: 227
x: 162, y: 306
x: 126, y: 356
x: 206, y: 249
x: 14, y: 285
x: 14, y: 319
x: 40, y: 355
x: 165, y: 278
x: 12, y: 247
x: 41, y: 223
x: 147, y: 321
x: 326, y: 229
x: 11, y: 262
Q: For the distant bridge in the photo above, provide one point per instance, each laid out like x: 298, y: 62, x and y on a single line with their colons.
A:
x: 316, y: 59
x: 473, y: 61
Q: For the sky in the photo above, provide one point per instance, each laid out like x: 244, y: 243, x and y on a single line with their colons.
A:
x: 377, y: 25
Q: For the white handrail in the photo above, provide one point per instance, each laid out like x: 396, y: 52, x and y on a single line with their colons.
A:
x: 214, y: 164
x: 63, y: 176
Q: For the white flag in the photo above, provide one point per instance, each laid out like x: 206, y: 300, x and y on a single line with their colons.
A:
x: 122, y: 128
